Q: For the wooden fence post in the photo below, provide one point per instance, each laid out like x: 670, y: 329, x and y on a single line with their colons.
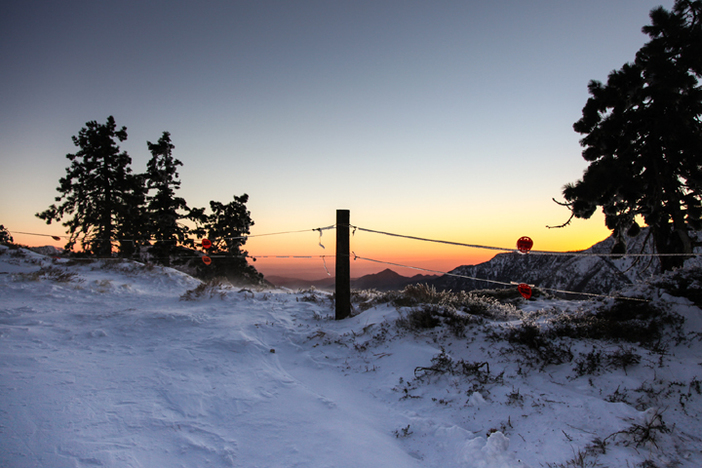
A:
x: 343, y: 265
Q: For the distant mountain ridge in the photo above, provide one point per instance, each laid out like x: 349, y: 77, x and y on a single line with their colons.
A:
x: 586, y: 272
x: 297, y: 283
x: 386, y: 280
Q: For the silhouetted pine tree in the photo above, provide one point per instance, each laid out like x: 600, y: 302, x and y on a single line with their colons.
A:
x: 643, y: 138
x: 164, y: 209
x: 132, y: 220
x: 227, y: 228
x: 97, y: 190
x: 5, y: 235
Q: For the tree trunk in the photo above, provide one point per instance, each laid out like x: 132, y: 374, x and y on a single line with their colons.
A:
x: 105, y: 243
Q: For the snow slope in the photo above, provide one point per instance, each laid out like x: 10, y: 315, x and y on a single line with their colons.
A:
x: 105, y: 364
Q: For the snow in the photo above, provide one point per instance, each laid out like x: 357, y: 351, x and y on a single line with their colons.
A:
x: 104, y: 364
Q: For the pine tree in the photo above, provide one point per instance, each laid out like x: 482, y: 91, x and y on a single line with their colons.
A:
x: 164, y: 209
x: 97, y: 189
x: 132, y: 222
x: 5, y: 236
x: 643, y: 138
x: 227, y: 227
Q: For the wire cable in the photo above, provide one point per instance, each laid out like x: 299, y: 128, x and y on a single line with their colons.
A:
x: 319, y: 229
x: 532, y: 252
x: 475, y: 246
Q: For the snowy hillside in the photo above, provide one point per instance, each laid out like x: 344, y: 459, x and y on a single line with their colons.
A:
x: 118, y: 364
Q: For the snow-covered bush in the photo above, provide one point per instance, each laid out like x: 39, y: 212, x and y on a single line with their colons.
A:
x: 50, y: 273
x: 622, y: 320
x: 207, y: 290
x: 311, y: 295
x: 539, y: 344
x: 443, y: 363
x: 597, y: 360
x: 430, y: 316
x: 685, y: 282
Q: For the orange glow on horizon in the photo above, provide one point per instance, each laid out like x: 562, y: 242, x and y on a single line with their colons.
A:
x: 437, y: 257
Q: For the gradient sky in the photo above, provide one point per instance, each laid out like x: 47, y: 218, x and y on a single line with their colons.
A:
x: 449, y: 120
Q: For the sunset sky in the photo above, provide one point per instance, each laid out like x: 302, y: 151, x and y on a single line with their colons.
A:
x: 447, y: 120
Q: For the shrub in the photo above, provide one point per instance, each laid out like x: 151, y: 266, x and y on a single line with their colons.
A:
x: 422, y: 318
x: 624, y: 357
x: 618, y: 397
x: 430, y: 316
x: 508, y: 294
x: 211, y: 288
x: 597, y: 361
x: 588, y: 364
x: 416, y: 294
x: 403, y: 432
x: 582, y: 459
x: 442, y: 363
x: 685, y: 282
x: 52, y: 274
x: 623, y: 320
x: 367, y: 298
x: 648, y: 432
x: 515, y: 398
x: 310, y: 295
x: 447, y: 302
x: 542, y: 345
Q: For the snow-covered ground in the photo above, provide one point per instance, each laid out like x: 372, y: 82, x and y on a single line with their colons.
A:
x: 106, y: 364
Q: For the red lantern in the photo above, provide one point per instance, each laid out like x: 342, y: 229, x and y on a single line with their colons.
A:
x: 206, y: 260
x: 525, y: 290
x: 524, y: 244
x: 206, y: 244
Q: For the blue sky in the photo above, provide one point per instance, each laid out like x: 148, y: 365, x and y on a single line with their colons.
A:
x: 449, y: 120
